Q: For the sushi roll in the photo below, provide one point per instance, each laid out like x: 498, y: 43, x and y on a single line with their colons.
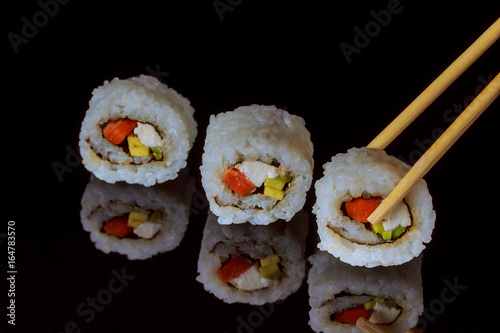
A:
x: 252, y: 264
x: 134, y: 220
x: 339, y: 294
x: 257, y: 165
x: 137, y: 130
x: 353, y: 185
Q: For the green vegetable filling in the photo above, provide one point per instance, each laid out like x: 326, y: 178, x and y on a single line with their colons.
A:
x: 389, y: 234
x: 157, y: 153
x: 371, y: 304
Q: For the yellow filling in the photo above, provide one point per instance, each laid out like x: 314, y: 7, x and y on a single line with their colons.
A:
x: 136, y: 147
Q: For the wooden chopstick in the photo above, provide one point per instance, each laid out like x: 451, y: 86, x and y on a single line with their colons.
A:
x: 440, y: 84
x: 368, y: 327
x: 438, y: 149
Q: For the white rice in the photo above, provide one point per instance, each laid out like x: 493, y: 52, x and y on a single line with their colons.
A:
x: 350, y: 175
x: 102, y: 201
x: 287, y: 240
x: 251, y: 133
x: 335, y: 286
x: 143, y: 99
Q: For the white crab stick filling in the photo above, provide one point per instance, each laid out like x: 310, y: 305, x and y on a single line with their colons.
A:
x: 251, y: 280
x: 399, y: 216
x: 147, y: 229
x: 257, y: 171
x: 147, y: 134
x: 383, y: 314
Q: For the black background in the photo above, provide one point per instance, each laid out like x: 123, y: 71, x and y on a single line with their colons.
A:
x: 253, y: 52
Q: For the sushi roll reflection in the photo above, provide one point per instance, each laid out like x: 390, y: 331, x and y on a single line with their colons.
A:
x: 137, y: 130
x: 257, y: 165
x: 352, y: 186
x: 137, y: 221
x: 339, y: 294
x: 252, y: 264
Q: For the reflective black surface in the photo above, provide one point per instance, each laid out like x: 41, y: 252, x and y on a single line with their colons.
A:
x: 221, y: 55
